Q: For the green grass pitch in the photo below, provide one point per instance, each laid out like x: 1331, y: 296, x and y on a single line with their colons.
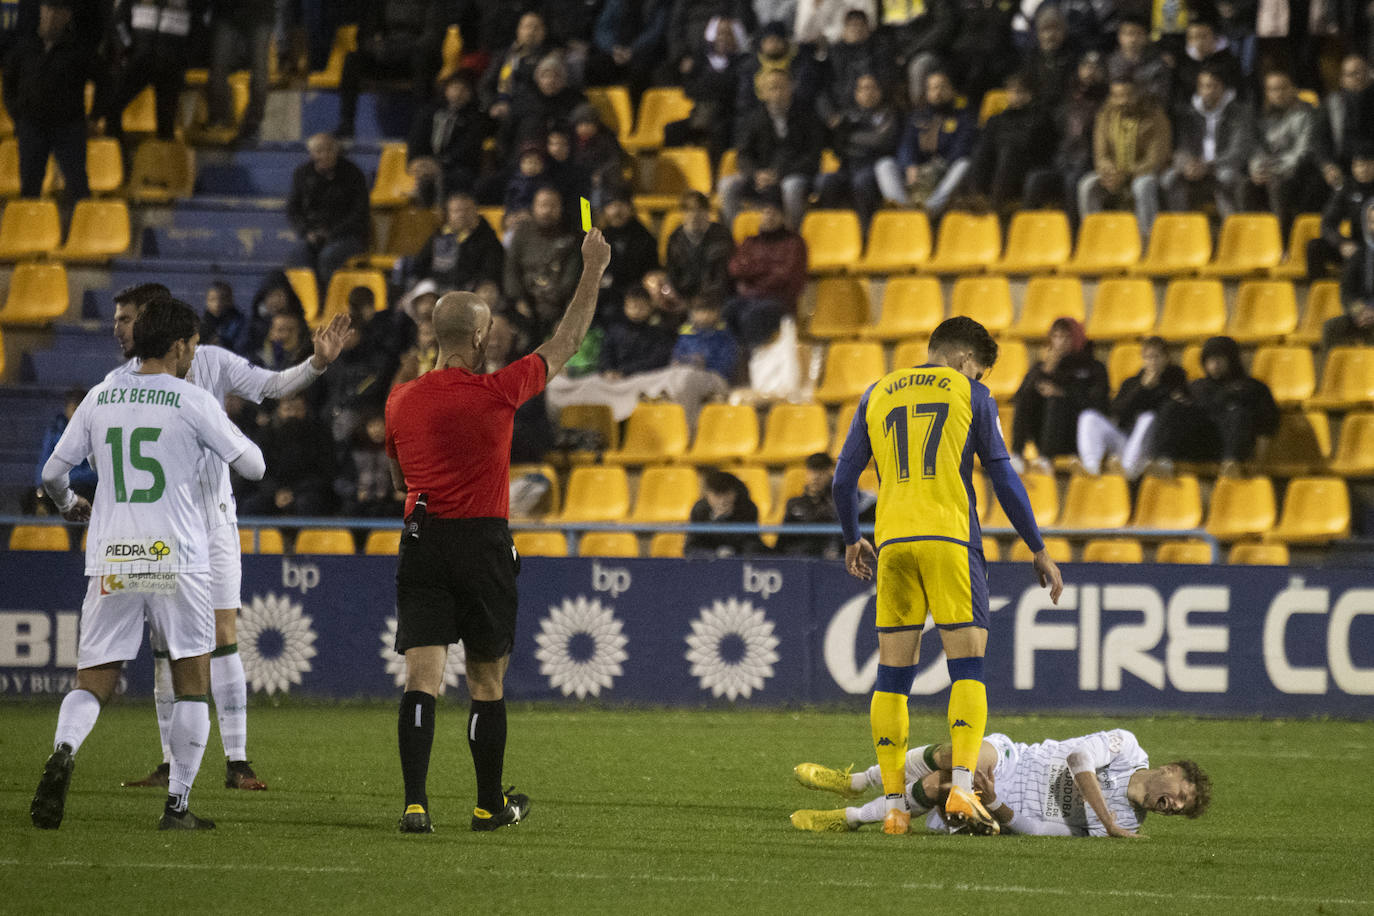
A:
x: 664, y: 811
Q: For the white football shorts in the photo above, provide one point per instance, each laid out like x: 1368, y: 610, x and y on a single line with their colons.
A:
x: 226, y: 567
x: 176, y: 607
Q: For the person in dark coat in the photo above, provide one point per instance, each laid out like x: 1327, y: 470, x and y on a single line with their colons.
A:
x: 641, y: 341
x: 724, y: 499
x: 1329, y: 252
x: 1356, y: 326
x: 301, y: 481
x: 390, y: 33
x: 634, y: 250
x: 444, y: 149
x: 329, y: 208
x: 537, y: 109
x: 156, y: 39
x: 779, y: 151
x: 813, y: 507
x: 276, y: 296
x: 464, y: 253
x: 698, y: 256
x: 711, y: 80
x: 223, y: 325
x: 1227, y: 415
x: 1066, y: 381
x: 595, y: 152
x: 1014, y: 144
x: 865, y: 136
x: 1127, y: 430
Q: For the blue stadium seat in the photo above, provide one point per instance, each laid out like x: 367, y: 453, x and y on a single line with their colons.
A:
x: 78, y: 356
x: 219, y: 245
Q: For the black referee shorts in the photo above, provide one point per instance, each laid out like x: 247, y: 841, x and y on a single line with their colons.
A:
x: 456, y: 582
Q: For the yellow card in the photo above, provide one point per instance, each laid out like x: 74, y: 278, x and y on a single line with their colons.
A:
x: 586, y: 215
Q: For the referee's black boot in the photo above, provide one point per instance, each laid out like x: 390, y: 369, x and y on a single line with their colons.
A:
x: 50, y: 798
x: 516, y: 810
x: 415, y: 820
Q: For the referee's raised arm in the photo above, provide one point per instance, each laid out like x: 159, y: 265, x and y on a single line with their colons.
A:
x: 558, y: 349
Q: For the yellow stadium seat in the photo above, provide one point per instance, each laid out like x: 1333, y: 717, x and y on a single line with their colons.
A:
x: 657, y: 107
x: 608, y: 544
x: 728, y: 164
x: 911, y: 353
x: 985, y: 299
x: 746, y: 224
x: 1113, y: 550
x: 674, y: 170
x: 1347, y: 379
x: 992, y: 551
x: 302, y: 280
x: 1316, y: 510
x: 325, y: 541
x: 451, y: 52
x: 1037, y: 240
x: 345, y: 40
x: 1123, y: 309
x: 1249, y: 244
x: 1354, y: 454
x: 37, y: 293
x: 1193, y: 310
x: 1186, y: 550
x: 1168, y: 502
x: 1123, y: 362
x: 163, y: 170
x: 1047, y: 299
x: 597, y: 494
x: 667, y: 493
x: 383, y: 543
x: 246, y: 541
x: 1266, y: 310
x: 725, y: 433
x: 1323, y: 304
x: 850, y: 368
x: 898, y: 241
x: 653, y: 433
x: 6, y: 123
x: 597, y: 418
x: 1013, y: 361
x: 1043, y: 493
x: 1240, y: 507
x: 833, y: 240
x: 495, y: 217
x: 1108, y: 242
x: 1306, y: 227
x: 344, y: 282
x: 1058, y: 548
x: 843, y: 419
x: 911, y: 306
x: 994, y: 103
x: 672, y: 219
x: 1180, y: 243
x: 760, y: 485
x: 1096, y: 502
x: 830, y: 163
x: 40, y: 537
x: 967, y: 242
x: 1251, y: 554
x: 394, y: 184
x: 104, y: 165
x: 29, y: 228
x: 1191, y: 361
x: 100, y: 231
x: 1302, y: 444
x: 540, y: 543
x: 261, y: 540
x: 551, y: 503
x: 612, y: 103
x: 409, y: 230
x: 9, y: 167
x: 841, y: 308
x: 792, y: 432
x: 140, y: 115
x: 1288, y: 371
x: 667, y: 545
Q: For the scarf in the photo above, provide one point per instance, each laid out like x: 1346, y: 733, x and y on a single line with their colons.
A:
x: 1211, y: 121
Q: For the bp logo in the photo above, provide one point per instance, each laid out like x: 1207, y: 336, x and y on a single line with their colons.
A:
x: 455, y: 666
x: 581, y: 646
x: 732, y: 648
x: 276, y: 641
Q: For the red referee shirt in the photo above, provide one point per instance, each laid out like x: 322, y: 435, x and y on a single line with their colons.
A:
x: 451, y: 432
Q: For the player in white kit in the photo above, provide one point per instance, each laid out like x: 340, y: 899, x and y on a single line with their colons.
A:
x: 1095, y: 785
x: 221, y: 373
x: 152, y: 439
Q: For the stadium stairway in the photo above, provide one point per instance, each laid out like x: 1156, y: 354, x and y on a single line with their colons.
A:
x: 25, y: 412
x: 80, y: 355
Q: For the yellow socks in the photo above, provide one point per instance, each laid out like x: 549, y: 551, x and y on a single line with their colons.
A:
x: 968, y: 717
x: 890, y: 722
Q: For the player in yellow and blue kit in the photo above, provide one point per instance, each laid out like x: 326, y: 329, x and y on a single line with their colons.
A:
x: 923, y: 427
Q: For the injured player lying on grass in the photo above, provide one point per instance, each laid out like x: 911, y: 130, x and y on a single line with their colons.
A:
x: 1095, y: 785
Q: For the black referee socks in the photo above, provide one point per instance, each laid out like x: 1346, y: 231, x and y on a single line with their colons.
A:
x: 487, y: 741
x: 415, y: 735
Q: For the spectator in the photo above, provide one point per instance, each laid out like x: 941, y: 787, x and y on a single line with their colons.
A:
x: 634, y: 250
x: 667, y: 301
x: 1206, y: 48
x: 1347, y: 118
x: 358, y: 381
x: 513, y: 69
x: 275, y: 297
x: 779, y: 150
x: 389, y: 34
x: 698, y: 256
x: 1356, y: 326
x: 542, y: 264
x: 982, y: 53
x: 288, y: 344
x: 937, y: 144
x: 687, y: 26
x: 919, y: 33
x: 1225, y: 416
x: 823, y: 21
x: 329, y: 209
x: 424, y: 355
x: 223, y: 325
x: 1215, y: 136
x: 1140, y: 61
x: 537, y: 109
x: 1283, y: 167
x: 45, y: 94
x: 629, y: 43
x: 387, y: 331
x: 1050, y: 65
x: 813, y: 507
x: 1341, y: 218
x: 157, y: 46
x: 725, y: 499
x: 640, y: 341
x: 241, y: 28
x: 1073, y: 155
x: 769, y: 270
x: 444, y: 150
x: 463, y: 253
x: 705, y: 343
x: 570, y: 179
x: 1065, y: 382
x: 300, y: 478
x: 711, y: 78
x: 1131, y: 146
x: 83, y: 479
x: 857, y: 53
x: 364, y: 486
x: 531, y: 174
x: 1014, y: 145
x: 595, y: 152
x: 533, y: 436
x: 865, y: 136
x: 1126, y: 432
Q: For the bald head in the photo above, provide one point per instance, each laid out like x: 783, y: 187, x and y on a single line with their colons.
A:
x: 324, y: 151
x: 460, y: 319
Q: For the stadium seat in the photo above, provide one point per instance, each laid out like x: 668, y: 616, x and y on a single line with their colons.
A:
x: 967, y: 242
x: 40, y: 537
x: 994, y: 103
x: 667, y: 493
x: 1249, y: 244
x: 1323, y: 304
x: 540, y: 543
x: 551, y: 503
x: 303, y: 282
x: 325, y: 541
x: 1058, y: 548
x: 1108, y: 242
x: 345, y: 40
x: 37, y: 293
x: 1306, y: 227
x: 597, y: 494
x: 992, y: 551
x: 1288, y: 371
x: 104, y: 165
x: 1042, y: 491
x: 1168, y: 502
x: 163, y: 171
x: 725, y: 433
x: 140, y: 115
x: 674, y: 170
x: 985, y: 299
x: 1193, y: 311
x: 608, y: 544
x: 9, y: 167
x: 495, y: 217
x: 99, y: 231
x: 1047, y: 299
x: 1185, y: 550
x: 612, y: 103
x: 760, y: 485
x: 1037, y: 240
x: 654, y: 433
x: 383, y: 543
x: 1191, y: 360
x: 746, y: 224
x: 833, y: 239
x: 344, y: 281
x: 792, y: 432
x: 1347, y: 379
x: 910, y: 353
x: 1180, y: 243
x: 1096, y: 502
x: 1316, y: 510
x: 844, y: 418
x: 261, y: 540
x: 451, y: 52
x: 1254, y: 554
x: 1123, y: 362
x: 657, y: 107
x: 410, y: 228
x: 911, y: 306
x: 1240, y: 507
x: 1123, y: 309
x: 1013, y: 361
x: 1266, y: 310
x: 1354, y: 453
x: 850, y: 367
x: 667, y: 545
x: 841, y: 308
x: 1302, y: 444
x: 595, y: 418
x: 728, y: 164
x: 393, y: 185
x: 1113, y: 550
x: 29, y: 228
x: 898, y: 241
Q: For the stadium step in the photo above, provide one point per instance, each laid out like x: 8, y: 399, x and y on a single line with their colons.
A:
x: 380, y: 115
x: 80, y: 355
x: 25, y: 412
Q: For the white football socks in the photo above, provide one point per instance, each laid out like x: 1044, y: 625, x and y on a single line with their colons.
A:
x: 163, y: 698
x: 872, y: 778
x: 230, y: 690
x: 76, y: 718
x: 190, y: 732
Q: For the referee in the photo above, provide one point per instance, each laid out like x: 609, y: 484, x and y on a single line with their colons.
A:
x: 448, y: 435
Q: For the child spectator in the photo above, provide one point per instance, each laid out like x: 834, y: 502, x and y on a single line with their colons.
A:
x: 531, y: 174
x: 1066, y: 381
x: 705, y: 342
x: 1127, y: 432
x: 640, y: 341
x: 223, y: 325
